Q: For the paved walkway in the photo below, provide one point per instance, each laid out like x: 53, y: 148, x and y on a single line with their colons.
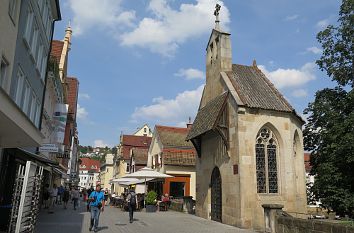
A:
x: 114, y: 220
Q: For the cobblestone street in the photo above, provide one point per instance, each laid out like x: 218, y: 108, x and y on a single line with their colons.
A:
x: 114, y: 220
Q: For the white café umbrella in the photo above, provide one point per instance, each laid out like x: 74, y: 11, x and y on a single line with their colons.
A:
x: 146, y: 173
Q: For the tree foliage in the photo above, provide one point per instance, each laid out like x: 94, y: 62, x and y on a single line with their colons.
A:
x: 329, y: 133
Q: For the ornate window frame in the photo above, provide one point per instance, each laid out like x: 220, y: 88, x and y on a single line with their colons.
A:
x: 267, y: 154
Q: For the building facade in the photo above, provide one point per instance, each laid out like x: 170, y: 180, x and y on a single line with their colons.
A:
x: 171, y: 154
x: 106, y: 172
x: 249, y: 143
x: 122, y: 162
x: 89, y: 173
x: 26, y: 33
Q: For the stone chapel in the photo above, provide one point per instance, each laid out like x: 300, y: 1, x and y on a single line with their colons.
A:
x: 248, y: 140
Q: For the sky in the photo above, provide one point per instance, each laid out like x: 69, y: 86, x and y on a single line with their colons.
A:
x: 143, y: 61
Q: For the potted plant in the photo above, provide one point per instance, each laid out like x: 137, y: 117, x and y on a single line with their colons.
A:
x: 150, y: 201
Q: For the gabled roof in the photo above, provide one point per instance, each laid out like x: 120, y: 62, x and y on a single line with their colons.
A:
x: 140, y: 155
x: 130, y: 141
x: 207, y: 116
x: 177, y: 157
x: 57, y: 48
x: 255, y: 90
x: 173, y: 137
x: 88, y: 164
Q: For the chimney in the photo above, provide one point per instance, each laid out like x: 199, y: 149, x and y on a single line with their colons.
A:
x: 189, y: 124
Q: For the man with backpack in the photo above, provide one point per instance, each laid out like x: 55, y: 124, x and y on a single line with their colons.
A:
x: 131, y: 200
x: 96, y: 200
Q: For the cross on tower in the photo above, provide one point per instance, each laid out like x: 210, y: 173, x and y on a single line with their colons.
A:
x: 216, y: 13
x: 217, y: 9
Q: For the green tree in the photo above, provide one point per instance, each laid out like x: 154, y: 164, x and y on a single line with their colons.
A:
x: 329, y: 133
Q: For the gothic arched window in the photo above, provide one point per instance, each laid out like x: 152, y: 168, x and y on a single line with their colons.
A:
x: 266, y: 162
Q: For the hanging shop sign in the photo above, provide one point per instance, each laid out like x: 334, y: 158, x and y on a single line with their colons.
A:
x: 49, y: 148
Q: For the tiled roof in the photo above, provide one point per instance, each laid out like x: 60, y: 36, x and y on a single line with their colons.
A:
x: 307, y: 161
x: 90, y: 164
x: 173, y: 137
x: 255, y: 90
x: 207, y: 116
x: 57, y: 48
x: 73, y: 89
x: 178, y: 157
x: 130, y: 141
x: 140, y: 155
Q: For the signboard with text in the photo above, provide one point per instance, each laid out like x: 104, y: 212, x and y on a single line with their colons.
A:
x: 49, y: 148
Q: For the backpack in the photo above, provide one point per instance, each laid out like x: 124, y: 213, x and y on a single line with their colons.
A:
x: 132, y: 198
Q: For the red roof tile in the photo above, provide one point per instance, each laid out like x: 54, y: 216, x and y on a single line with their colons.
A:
x: 173, y: 137
x: 73, y: 89
x: 130, y: 141
x: 308, y: 166
x: 89, y: 164
x: 179, y: 157
x: 57, y: 48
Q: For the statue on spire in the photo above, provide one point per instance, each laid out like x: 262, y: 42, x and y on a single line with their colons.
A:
x: 216, y: 13
x: 217, y: 9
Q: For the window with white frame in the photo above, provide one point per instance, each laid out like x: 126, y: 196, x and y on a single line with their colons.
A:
x: 43, y: 66
x: 40, y: 55
x: 38, y: 114
x: 29, y: 23
x: 266, y: 162
x: 33, y: 108
x: 34, y: 41
x: 3, y: 71
x: 19, y: 86
x: 26, y: 97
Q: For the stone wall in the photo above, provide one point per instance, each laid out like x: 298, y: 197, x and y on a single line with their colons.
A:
x: 296, y: 225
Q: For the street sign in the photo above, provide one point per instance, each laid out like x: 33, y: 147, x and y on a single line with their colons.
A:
x: 49, y: 148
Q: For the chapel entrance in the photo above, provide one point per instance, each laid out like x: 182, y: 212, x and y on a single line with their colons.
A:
x: 216, y: 197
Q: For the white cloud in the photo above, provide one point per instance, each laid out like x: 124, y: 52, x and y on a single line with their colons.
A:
x: 298, y: 93
x: 171, y: 111
x: 100, y: 143
x: 314, y: 50
x: 322, y: 24
x: 84, y: 96
x: 190, y: 74
x: 81, y: 112
x: 291, y: 17
x: 88, y: 14
x: 169, y: 28
x: 283, y: 78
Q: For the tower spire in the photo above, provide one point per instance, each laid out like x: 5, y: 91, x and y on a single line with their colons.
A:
x: 216, y: 13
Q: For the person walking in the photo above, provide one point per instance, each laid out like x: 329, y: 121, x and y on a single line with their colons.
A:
x: 60, y: 194
x: 131, y: 200
x: 89, y: 191
x: 66, y: 197
x: 75, y: 195
x: 97, y: 202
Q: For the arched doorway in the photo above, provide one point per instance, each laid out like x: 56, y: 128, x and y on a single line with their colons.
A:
x: 216, y: 195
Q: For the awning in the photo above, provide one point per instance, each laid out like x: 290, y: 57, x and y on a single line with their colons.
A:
x: 60, y: 172
x: 26, y: 155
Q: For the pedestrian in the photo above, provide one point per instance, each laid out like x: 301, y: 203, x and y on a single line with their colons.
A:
x: 106, y: 196
x: 96, y: 200
x: 75, y: 197
x: 131, y: 200
x: 66, y: 197
x: 46, y: 196
x: 89, y: 191
x: 60, y: 194
x: 54, y: 195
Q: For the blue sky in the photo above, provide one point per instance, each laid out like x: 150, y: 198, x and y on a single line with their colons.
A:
x: 143, y: 61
